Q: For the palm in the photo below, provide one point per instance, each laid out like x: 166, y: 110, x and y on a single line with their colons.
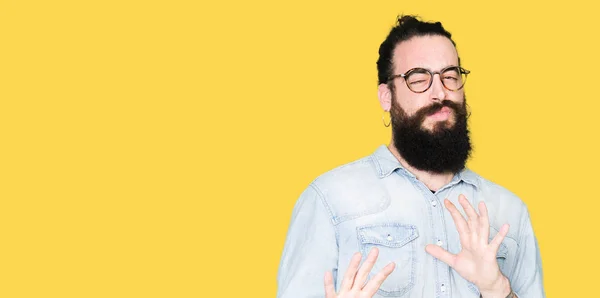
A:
x: 476, y: 266
x: 476, y: 262
x: 353, y: 285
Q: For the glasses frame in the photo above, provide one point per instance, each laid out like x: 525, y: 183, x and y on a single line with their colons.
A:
x: 432, y: 73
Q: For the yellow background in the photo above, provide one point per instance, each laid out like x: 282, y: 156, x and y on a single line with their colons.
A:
x: 156, y: 148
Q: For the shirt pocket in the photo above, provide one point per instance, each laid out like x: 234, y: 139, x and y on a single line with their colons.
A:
x: 396, y: 243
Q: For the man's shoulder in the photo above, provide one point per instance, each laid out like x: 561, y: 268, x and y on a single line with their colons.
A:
x: 361, y: 168
x: 352, y: 190
x: 502, y: 203
x: 495, y: 190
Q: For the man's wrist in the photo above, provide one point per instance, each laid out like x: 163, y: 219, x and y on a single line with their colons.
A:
x: 500, y: 290
x: 510, y: 295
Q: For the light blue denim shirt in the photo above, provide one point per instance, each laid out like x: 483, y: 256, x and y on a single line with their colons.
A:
x: 375, y: 202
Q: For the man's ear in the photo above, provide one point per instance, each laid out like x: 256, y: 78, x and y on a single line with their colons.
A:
x: 385, y: 97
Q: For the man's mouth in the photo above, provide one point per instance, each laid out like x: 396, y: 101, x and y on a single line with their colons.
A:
x: 442, y: 114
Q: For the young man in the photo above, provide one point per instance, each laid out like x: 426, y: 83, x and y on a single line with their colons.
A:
x: 397, y: 207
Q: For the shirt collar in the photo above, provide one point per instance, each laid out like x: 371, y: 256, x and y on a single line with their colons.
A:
x: 386, y: 163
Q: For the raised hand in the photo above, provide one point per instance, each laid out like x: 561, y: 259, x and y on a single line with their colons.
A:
x: 353, y: 285
x: 476, y: 262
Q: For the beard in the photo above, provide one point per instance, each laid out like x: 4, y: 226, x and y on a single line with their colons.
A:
x: 444, y: 149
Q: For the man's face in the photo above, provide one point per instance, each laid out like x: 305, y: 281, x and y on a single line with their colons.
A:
x: 429, y: 129
x: 434, y: 53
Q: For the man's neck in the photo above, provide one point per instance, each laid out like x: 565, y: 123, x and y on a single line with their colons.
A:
x: 433, y: 181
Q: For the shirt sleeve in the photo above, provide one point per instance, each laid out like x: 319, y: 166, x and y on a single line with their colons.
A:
x: 310, y: 249
x: 527, y: 280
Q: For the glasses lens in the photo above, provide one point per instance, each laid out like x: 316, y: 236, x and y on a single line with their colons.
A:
x: 418, y: 80
x: 454, y: 78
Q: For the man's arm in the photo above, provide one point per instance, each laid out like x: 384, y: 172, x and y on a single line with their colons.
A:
x: 527, y: 279
x: 310, y: 249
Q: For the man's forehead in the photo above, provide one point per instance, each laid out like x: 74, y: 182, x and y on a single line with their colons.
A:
x: 432, y: 52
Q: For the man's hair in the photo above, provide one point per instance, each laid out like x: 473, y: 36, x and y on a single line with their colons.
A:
x: 407, y: 27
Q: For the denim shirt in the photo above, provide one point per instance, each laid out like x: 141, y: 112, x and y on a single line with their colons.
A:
x: 375, y: 202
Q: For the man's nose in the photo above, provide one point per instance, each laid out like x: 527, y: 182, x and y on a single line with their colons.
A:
x: 438, y: 92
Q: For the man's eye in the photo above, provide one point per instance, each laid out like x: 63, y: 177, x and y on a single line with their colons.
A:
x: 418, y: 82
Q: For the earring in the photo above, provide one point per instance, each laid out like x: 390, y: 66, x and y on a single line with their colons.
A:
x: 383, y: 119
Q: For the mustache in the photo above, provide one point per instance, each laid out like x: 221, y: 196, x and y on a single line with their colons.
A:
x: 459, y: 110
x: 437, y: 106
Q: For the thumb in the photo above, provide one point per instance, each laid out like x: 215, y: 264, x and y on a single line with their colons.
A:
x: 440, y: 254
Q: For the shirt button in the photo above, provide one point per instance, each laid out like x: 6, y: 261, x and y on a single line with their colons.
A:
x: 443, y: 288
x: 433, y: 203
x: 389, y: 238
x: 440, y: 243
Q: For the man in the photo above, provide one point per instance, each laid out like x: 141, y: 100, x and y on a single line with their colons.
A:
x: 397, y: 207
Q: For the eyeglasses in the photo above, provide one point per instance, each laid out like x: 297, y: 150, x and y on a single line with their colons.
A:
x: 418, y: 80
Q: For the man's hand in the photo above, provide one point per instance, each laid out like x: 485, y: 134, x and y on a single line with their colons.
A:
x: 476, y: 262
x: 353, y: 285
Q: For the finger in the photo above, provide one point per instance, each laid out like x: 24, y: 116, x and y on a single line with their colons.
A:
x: 473, y: 217
x: 373, y: 285
x: 366, y: 267
x: 459, y: 221
x: 348, y: 280
x: 484, y: 222
x: 495, y: 244
x: 441, y: 254
x: 329, y: 288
